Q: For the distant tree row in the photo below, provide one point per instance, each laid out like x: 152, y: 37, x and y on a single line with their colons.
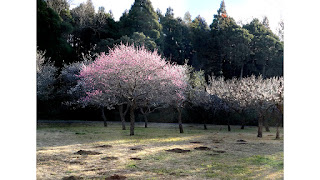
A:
x: 140, y: 79
x: 224, y: 48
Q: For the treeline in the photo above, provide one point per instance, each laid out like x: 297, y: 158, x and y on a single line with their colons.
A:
x: 223, y: 48
x: 73, y: 38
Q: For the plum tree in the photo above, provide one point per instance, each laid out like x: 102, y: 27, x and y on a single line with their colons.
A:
x: 251, y: 92
x: 132, y: 75
x: 46, y: 76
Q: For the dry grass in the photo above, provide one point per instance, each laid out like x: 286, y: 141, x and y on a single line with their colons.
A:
x: 259, y: 158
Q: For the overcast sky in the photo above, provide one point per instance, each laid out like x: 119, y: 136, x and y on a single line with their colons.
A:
x: 244, y: 10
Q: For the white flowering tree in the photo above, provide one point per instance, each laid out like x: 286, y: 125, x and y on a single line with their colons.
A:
x: 46, y: 77
x: 251, y: 92
x: 229, y: 92
x: 266, y: 94
x: 129, y: 75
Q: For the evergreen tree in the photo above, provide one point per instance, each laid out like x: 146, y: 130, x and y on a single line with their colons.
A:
x: 93, y: 32
x: 50, y: 35
x: 176, y: 41
x: 141, y: 18
x: 200, y: 35
x: 187, y: 18
x: 222, y: 29
x: 266, y: 48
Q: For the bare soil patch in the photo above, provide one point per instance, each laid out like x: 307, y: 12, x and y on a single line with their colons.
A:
x: 136, y: 148
x: 104, y: 146
x: 109, y: 158
x: 74, y: 162
x: 72, y: 178
x: 219, y: 151
x: 241, y: 140
x: 216, y: 141
x: 202, y: 148
x: 178, y: 150
x: 83, y: 152
x: 116, y: 176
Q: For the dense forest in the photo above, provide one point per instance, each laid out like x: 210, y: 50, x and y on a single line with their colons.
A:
x: 68, y: 38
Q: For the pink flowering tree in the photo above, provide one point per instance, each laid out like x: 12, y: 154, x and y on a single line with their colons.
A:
x: 129, y: 75
x: 176, y: 92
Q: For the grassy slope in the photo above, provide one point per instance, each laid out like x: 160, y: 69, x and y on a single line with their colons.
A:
x: 258, y: 159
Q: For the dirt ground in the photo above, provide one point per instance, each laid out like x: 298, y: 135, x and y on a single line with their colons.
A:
x: 91, y: 151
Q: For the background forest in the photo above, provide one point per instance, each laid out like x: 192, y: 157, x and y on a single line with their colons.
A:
x: 223, y: 48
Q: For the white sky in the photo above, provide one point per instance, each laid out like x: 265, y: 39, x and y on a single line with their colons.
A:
x: 244, y: 10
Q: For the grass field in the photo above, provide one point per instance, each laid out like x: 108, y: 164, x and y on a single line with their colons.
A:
x: 63, y: 152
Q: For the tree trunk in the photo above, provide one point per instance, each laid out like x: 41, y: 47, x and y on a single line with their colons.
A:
x: 243, y: 122
x: 180, y: 120
x: 122, y: 117
x: 278, y: 126
x: 260, y: 126
x: 132, y: 118
x: 103, y: 117
x: 228, y: 116
x: 278, y: 133
x: 266, y: 124
x: 145, y: 120
x: 264, y: 71
x: 241, y: 72
x: 205, y: 126
x: 144, y: 117
x: 204, y: 121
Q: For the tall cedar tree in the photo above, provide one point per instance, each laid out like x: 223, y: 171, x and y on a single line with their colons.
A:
x: 222, y: 29
x: 141, y: 18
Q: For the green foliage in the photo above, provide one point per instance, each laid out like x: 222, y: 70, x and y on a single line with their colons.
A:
x: 176, y: 38
x: 266, y: 48
x: 197, y: 79
x: 141, y: 18
x: 50, y: 35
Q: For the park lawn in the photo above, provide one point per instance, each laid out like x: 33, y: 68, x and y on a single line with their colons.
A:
x: 224, y: 157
